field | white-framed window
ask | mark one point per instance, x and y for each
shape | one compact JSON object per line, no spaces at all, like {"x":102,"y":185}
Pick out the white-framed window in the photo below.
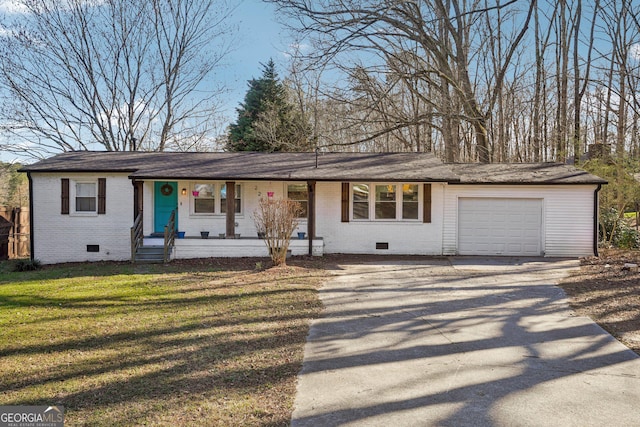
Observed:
{"x":86,"y":197}
{"x":238,"y":198}
{"x":410,"y":201}
{"x":360,"y":200}
{"x":83,"y":197}
{"x":385,"y":201}
{"x":203,"y":195}
{"x":299,"y":192}
{"x":210,"y":198}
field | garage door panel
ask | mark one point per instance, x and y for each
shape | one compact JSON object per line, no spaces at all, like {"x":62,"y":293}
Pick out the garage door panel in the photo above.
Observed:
{"x":514,"y":247}
{"x":531,"y":234}
{"x":497,"y":248}
{"x":531,"y":248}
{"x":500,"y":233}
{"x":498,"y":226}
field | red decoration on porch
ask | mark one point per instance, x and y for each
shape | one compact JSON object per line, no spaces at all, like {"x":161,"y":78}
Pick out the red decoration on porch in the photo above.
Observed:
{"x":195,"y":193}
{"x":269,"y":193}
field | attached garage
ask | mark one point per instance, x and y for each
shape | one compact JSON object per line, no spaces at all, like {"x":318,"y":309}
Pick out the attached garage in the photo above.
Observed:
{"x":499,"y":226}
{"x":527,"y":209}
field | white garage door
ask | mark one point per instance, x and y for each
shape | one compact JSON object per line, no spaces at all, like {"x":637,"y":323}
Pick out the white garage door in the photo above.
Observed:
{"x":493,"y":226}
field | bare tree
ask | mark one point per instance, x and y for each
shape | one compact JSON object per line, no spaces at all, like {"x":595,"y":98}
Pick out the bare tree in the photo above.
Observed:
{"x":277,"y":219}
{"x":113,"y":74}
{"x":438,"y":30}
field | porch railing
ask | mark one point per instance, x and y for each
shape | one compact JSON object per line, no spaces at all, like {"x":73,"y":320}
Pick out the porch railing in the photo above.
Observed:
{"x":169,"y":236}
{"x":136,"y":236}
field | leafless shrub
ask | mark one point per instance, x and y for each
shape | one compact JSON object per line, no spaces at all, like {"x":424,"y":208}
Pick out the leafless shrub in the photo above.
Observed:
{"x":277,"y":218}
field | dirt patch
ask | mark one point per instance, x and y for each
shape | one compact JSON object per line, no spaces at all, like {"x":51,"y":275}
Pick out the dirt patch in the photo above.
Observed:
{"x":607,"y":292}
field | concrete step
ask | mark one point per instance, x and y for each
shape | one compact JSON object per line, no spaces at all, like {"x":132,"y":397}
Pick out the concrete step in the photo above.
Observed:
{"x":151,"y":254}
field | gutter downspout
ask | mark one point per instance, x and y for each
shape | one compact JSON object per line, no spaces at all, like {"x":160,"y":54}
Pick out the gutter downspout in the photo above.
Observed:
{"x":595,"y":219}
{"x":31,"y":238}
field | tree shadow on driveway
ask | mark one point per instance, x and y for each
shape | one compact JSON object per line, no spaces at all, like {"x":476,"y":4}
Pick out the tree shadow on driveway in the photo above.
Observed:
{"x":424,"y":343}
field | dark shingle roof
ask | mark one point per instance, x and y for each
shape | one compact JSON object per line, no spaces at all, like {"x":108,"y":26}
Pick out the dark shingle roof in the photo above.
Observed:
{"x":405,"y":167}
{"x":254,"y":166}
{"x":523,"y":173}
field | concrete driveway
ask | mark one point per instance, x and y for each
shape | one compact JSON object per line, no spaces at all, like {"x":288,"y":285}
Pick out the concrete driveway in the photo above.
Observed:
{"x":461,"y":342}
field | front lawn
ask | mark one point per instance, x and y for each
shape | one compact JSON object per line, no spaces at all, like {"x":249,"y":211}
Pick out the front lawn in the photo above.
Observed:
{"x":183,"y":344}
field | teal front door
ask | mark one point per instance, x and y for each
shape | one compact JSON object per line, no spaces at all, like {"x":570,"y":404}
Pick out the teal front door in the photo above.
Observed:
{"x":165,"y":196}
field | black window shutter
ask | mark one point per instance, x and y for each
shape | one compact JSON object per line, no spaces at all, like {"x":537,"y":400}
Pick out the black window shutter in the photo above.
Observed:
{"x":427,"y":203}
{"x":345,"y":202}
{"x":64,"y":197}
{"x":102,"y":196}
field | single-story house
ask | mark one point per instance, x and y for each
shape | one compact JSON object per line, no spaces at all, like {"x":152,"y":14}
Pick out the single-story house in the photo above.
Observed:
{"x":90,"y":206}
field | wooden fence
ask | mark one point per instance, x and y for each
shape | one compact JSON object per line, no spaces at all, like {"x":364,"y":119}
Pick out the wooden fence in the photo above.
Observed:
{"x":14,"y":240}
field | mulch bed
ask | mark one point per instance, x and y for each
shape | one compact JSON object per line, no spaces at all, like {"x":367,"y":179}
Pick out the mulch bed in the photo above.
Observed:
{"x":607,"y":292}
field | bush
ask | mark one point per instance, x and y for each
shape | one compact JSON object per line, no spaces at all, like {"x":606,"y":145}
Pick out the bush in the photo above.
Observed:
{"x":27,"y":265}
{"x":277,"y":219}
{"x":627,"y":237}
{"x":617,"y":231}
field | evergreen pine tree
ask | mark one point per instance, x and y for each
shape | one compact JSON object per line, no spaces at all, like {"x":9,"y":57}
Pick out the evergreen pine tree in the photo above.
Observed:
{"x":266,"y":119}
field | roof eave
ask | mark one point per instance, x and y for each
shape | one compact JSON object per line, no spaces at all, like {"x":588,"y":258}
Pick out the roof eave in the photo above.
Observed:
{"x":594,"y":182}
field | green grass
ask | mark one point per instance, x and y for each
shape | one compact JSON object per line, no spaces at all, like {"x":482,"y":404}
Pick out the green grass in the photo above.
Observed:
{"x":157,"y":345}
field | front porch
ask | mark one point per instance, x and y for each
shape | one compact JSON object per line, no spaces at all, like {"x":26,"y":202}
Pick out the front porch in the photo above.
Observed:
{"x":197,"y":247}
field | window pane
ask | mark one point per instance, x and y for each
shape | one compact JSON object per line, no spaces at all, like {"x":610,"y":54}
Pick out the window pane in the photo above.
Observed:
{"x":304,"y":209}
{"x":204,"y":190}
{"x":360,"y":201}
{"x":85,"y":190}
{"x":385,"y":201}
{"x":223,"y":198}
{"x":299,"y":193}
{"x":204,"y":198}
{"x":409,"y":210}
{"x":361,"y":192}
{"x":204,"y":205}
{"x":385,"y":210}
{"x":85,"y":197}
{"x":85,"y":204}
{"x":409,"y":201}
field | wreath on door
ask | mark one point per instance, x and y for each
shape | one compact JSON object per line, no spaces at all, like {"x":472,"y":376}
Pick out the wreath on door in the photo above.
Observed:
{"x":166,"y":190}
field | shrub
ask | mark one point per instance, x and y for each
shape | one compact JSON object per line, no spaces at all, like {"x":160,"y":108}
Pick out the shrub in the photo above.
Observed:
{"x":616,"y":231}
{"x":626,"y":237}
{"x":278,"y":219}
{"x":27,"y":265}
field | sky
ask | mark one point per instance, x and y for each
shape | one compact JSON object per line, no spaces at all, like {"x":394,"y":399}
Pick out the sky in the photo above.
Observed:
{"x":259,"y":38}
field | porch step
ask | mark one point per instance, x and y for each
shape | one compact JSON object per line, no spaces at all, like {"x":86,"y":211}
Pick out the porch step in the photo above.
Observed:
{"x":151,"y":254}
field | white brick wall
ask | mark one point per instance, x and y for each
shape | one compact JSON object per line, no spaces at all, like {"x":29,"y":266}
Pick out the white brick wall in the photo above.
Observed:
{"x":64,"y":238}
{"x":229,"y":248}
{"x":408,"y":238}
